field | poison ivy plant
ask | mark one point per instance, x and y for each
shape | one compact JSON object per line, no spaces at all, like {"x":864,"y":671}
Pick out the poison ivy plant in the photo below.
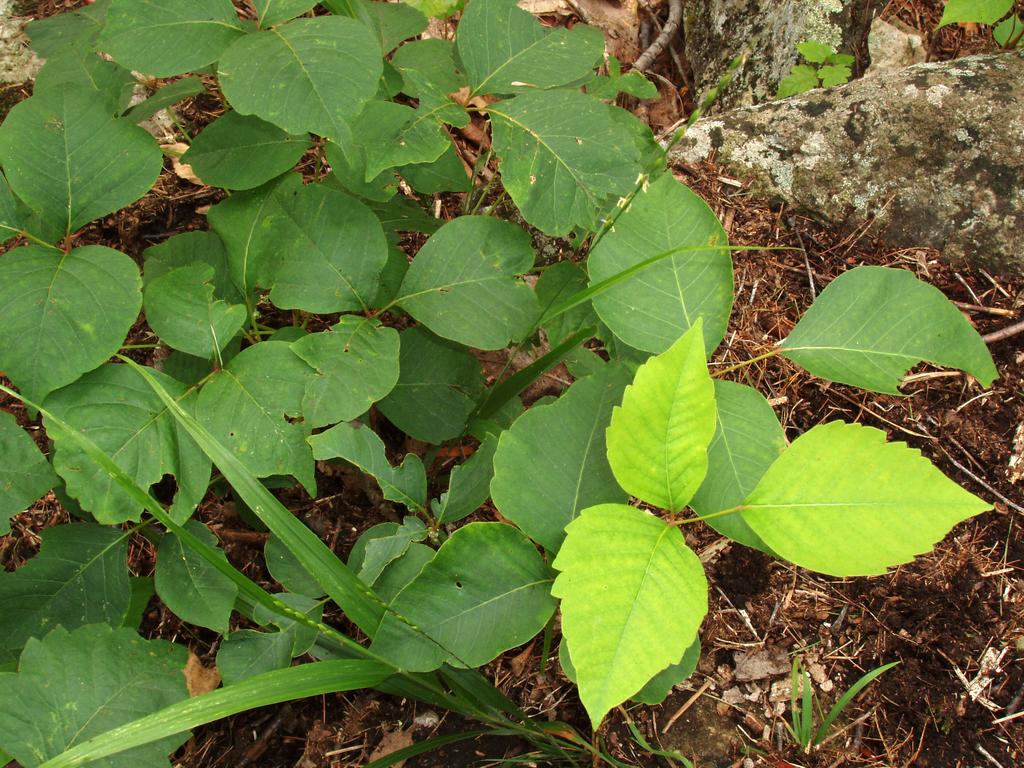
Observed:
{"x":335,"y":321}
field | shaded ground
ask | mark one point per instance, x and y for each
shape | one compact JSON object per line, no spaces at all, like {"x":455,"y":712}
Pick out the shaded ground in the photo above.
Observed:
{"x":953,"y":618}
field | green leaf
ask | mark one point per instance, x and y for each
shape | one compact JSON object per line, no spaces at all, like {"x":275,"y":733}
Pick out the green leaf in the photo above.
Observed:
{"x":272,"y":688}
{"x":181,"y":309}
{"x":249,"y":652}
{"x":360,"y":446}
{"x":247,"y":405}
{"x":400,"y":572}
{"x":356,"y":365}
{"x":64,"y":314}
{"x":348,"y":171}
{"x":80,"y":576}
{"x":653,"y":308}
{"x":801,"y":78}
{"x":115,"y":408}
{"x":400,"y":214}
{"x":396,"y":22}
{"x":289,"y":76}
{"x":68,"y":158}
{"x":288,"y":571}
{"x":834,"y":74}
{"x":980,"y":11}
{"x":446,"y":174}
{"x":189,"y":249}
{"x":385,"y":546}
{"x":436,"y":390}
{"x":83,"y":69}
{"x":303,"y":635}
{"x":658,"y":439}
{"x":561,"y":449}
{"x":462,"y":283}
{"x":436,"y":8}
{"x":193,"y":589}
{"x":872,"y":324}
{"x":143,"y":590}
{"x":13,"y":214}
{"x":165,"y":97}
{"x":842,"y":501}
{"x":748,"y":438}
{"x":468,"y":486}
{"x":25,"y":474}
{"x":164,"y":39}
{"x":633,"y":596}
{"x":1008,"y":31}
{"x":271,"y":12}
{"x":557,"y":283}
{"x":562,"y":156}
{"x":632,"y":83}
{"x":485,"y":591}
{"x":504,"y":49}
{"x":394,"y":134}
{"x":331,"y":250}
{"x":75,"y":29}
{"x":242,"y":152}
{"x":247,"y":224}
{"x":815,"y":52}
{"x":72,"y":686}
{"x":428,"y":61}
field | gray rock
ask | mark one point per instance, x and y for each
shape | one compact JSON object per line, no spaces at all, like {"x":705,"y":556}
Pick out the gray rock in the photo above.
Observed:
{"x":716,"y":30}
{"x":930,"y":154}
{"x":18,"y":64}
{"x":894,"y":45}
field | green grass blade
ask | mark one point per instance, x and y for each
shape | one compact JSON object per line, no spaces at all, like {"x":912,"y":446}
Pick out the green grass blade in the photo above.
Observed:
{"x":846,"y":698}
{"x":419,"y":748}
{"x":343,"y":586}
{"x":269,"y":688}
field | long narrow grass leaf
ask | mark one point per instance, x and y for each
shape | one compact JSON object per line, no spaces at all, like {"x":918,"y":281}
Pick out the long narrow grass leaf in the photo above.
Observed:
{"x":426,"y":745}
{"x":270,"y":688}
{"x":846,"y":698}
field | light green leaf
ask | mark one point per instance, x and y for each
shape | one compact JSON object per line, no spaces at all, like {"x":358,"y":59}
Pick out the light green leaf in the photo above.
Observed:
{"x":181,"y":309}
{"x":331,"y":250}
{"x":653,"y":308}
{"x":980,"y":11}
{"x":360,"y":446}
{"x":561,"y":449}
{"x":815,"y":52}
{"x":872,"y":324}
{"x":436,"y":8}
{"x":188,"y":249}
{"x":247,"y":224}
{"x":191,"y":587}
{"x":241,"y":152}
{"x":468,"y":486}
{"x":633,"y":596}
{"x":164,"y":39}
{"x":80,"y":576}
{"x":437,"y":385}
{"x":834,"y":74}
{"x":290,"y":76}
{"x":396,"y":22}
{"x":25,"y":474}
{"x":115,"y":408}
{"x":271,"y":12}
{"x":1009,"y":30}
{"x":801,"y":78}
{"x":462,"y":283}
{"x":748,"y":438}
{"x":247,"y":405}
{"x":658,"y":439}
{"x":249,"y":652}
{"x":505,"y":49}
{"x":842,"y":501}
{"x":287,"y":570}
{"x":72,"y":686}
{"x":562,"y":157}
{"x":485,"y":591}
{"x":356,"y":365}
{"x":64,"y":314}
{"x":68,"y":158}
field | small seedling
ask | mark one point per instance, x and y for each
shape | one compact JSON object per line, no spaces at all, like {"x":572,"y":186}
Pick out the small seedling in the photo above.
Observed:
{"x":824,"y":69}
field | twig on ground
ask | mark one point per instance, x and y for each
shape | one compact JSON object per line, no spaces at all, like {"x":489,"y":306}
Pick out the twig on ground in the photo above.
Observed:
{"x":1004,"y":333}
{"x":675,"y":16}
{"x":987,"y":486}
{"x":987,"y":755}
{"x":987,"y":310}
{"x":686,"y":705}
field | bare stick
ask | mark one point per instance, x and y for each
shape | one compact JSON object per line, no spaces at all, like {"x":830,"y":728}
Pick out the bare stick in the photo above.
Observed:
{"x":675,"y":16}
{"x":1004,"y":333}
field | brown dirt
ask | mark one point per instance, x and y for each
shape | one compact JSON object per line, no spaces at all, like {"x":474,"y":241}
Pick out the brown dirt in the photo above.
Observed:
{"x":945,"y":617}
